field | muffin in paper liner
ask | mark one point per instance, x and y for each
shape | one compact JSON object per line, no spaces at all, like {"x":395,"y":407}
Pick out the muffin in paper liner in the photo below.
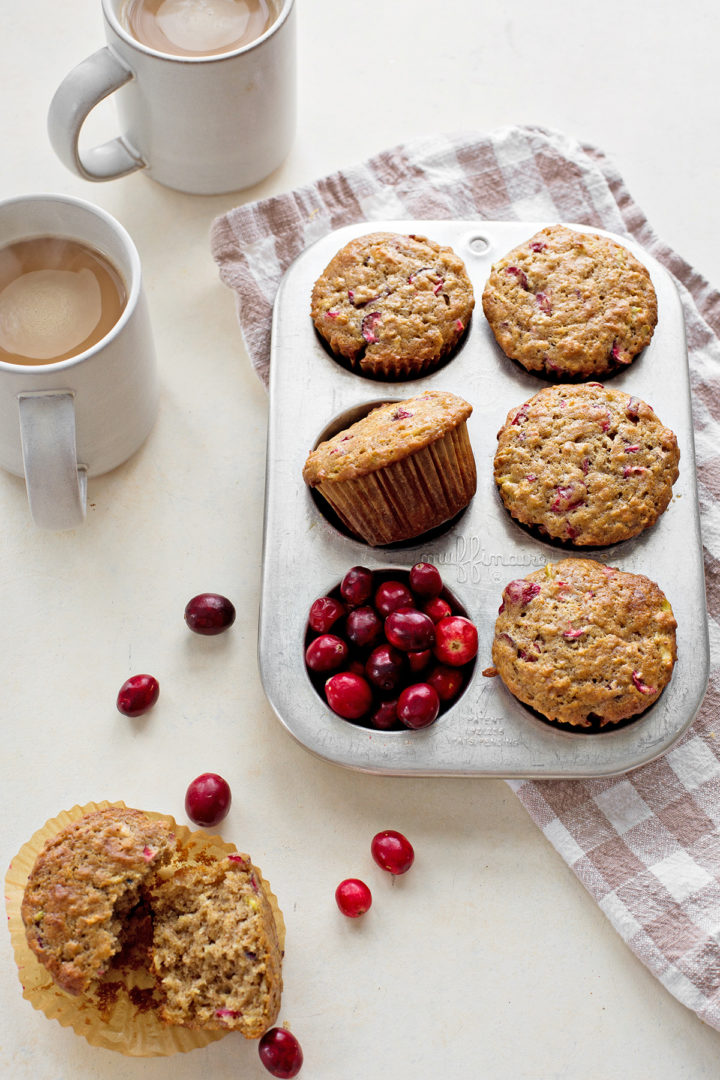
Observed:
{"x":124,"y":1016}
{"x":405,"y":468}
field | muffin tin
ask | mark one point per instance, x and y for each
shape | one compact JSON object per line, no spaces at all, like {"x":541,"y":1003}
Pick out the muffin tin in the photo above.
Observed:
{"x":487,"y":732}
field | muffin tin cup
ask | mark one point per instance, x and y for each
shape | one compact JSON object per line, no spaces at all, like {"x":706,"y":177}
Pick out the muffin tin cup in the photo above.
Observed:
{"x":488,"y":732}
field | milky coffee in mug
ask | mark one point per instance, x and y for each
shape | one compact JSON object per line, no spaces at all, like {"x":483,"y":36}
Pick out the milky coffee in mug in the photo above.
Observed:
{"x":197,"y":27}
{"x":58,"y":297}
{"x":205,"y":93}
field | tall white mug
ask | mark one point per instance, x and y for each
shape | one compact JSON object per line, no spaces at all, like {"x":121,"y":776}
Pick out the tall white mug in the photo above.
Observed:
{"x":199,"y":124}
{"x":83,"y":416}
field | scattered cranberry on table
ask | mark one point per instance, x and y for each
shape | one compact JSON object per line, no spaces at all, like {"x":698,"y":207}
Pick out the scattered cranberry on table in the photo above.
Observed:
{"x":392,"y":851}
{"x":207,"y":799}
{"x":353,"y":897}
{"x":395,"y":644}
{"x":137,"y":695}
{"x":209,"y":614}
{"x":280,"y":1053}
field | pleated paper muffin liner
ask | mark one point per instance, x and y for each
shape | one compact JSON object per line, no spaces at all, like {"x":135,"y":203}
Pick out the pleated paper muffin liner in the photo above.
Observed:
{"x":408,"y":497}
{"x":123,"y":1016}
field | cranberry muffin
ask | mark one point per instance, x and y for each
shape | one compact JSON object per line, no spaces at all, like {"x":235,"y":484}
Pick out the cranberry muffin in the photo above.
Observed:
{"x":583,"y":643}
{"x":392,"y":306}
{"x":403,"y":469}
{"x":570,"y":304}
{"x":586,"y":464}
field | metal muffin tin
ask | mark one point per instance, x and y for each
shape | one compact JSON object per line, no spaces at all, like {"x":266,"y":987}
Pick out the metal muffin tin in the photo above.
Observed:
{"x":487,"y":732}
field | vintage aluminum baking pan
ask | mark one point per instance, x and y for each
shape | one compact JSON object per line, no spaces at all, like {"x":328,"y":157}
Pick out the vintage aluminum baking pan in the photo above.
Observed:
{"x":487,"y":732}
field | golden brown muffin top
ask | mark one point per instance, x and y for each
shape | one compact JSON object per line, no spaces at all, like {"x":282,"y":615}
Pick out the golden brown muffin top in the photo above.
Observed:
{"x":389,"y":433}
{"x":580,"y":642}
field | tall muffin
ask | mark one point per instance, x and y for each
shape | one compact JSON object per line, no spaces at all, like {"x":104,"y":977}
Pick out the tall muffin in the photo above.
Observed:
{"x":393,"y":306}
{"x":570,"y":304}
{"x":583,"y":643}
{"x":586,"y":464}
{"x":405,"y":468}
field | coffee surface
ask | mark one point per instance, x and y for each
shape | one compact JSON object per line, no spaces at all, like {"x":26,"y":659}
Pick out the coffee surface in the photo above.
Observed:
{"x":197,"y":27}
{"x":58,"y":297}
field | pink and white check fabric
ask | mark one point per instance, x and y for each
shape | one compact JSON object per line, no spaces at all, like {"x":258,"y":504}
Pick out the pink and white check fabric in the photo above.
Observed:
{"x":645,"y":845}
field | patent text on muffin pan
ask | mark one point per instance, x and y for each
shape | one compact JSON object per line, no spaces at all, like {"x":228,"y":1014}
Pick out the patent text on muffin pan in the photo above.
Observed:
{"x":307,"y":550}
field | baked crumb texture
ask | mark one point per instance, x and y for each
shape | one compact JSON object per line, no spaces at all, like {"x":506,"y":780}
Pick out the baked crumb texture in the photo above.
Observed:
{"x":393,"y":305}
{"x":566,"y":303}
{"x":586,"y":464}
{"x":585,"y":644}
{"x":405,"y":468}
{"x":216,"y":952}
{"x":113,"y":888}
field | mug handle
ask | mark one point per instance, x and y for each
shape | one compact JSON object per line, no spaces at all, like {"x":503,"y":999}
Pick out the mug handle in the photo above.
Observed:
{"x":80,"y":91}
{"x":56,"y":484}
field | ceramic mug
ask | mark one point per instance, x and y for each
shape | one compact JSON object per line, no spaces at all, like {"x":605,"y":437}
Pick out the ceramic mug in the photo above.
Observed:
{"x":63,"y":421}
{"x":199,"y":124}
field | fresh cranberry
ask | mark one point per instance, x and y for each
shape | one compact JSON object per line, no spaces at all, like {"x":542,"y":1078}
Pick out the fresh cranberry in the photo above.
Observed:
{"x":326,"y":653}
{"x":356,"y":667}
{"x":353,"y":897}
{"x":437,"y":609}
{"x":392,"y":851}
{"x":348,"y":695}
{"x":410,"y":630}
{"x":385,"y":667}
{"x":418,"y":661}
{"x":137,"y":695}
{"x":425,"y":580}
{"x":325,"y":611}
{"x":207,"y":799}
{"x":280,"y":1053}
{"x":356,"y":586}
{"x":385,"y":716}
{"x":456,"y":640}
{"x":209,"y":614}
{"x":418,"y":705}
{"x":363,"y":626}
{"x":392,"y":595}
{"x":446,"y":680}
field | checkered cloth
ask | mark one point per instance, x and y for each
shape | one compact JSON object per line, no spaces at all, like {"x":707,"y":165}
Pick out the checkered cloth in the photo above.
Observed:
{"x":647,"y":845}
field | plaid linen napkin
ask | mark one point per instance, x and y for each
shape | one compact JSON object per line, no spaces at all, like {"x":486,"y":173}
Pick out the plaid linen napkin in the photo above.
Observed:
{"x":645,"y":845}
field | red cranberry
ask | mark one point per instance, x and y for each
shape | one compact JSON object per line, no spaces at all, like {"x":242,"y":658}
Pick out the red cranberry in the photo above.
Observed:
{"x":353,"y":897}
{"x":137,"y":695}
{"x":446,"y":680}
{"x":363,"y":626}
{"x":456,"y":640}
{"x":418,"y":705}
{"x":326,"y":653}
{"x":280,"y":1053}
{"x":385,"y":667}
{"x":356,"y":586}
{"x":410,"y":630}
{"x":356,"y":667}
{"x":385,"y":716}
{"x":392,"y":595}
{"x":209,"y":614}
{"x":348,"y":695}
{"x":418,"y":661}
{"x":520,"y":591}
{"x":437,"y":609}
{"x":207,"y":799}
{"x":325,"y":611}
{"x":425,"y":579}
{"x":392,"y":851}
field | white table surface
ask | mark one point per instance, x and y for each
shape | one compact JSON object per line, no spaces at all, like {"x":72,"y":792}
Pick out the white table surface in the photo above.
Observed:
{"x":489,"y":959}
